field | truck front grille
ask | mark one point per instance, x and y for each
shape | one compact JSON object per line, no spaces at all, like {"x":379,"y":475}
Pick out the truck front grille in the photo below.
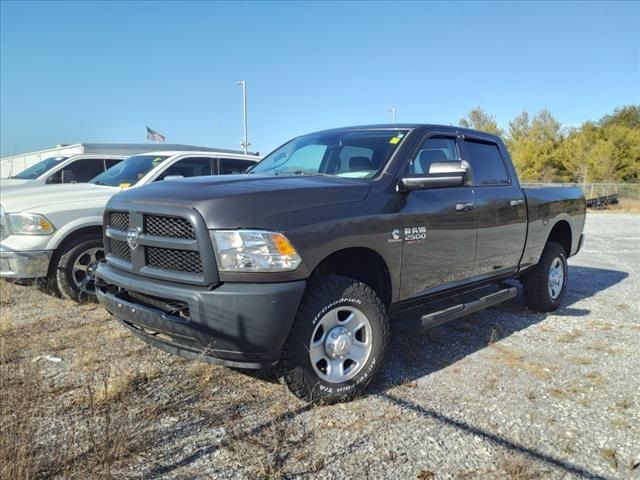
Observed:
{"x":164,"y":244}
{"x":4,"y":227}
{"x":119,"y":220}
{"x":174,"y":227}
{"x":121,"y":250}
{"x":175,"y":260}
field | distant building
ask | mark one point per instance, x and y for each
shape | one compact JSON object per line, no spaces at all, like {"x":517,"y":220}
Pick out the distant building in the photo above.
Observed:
{"x":15,"y":164}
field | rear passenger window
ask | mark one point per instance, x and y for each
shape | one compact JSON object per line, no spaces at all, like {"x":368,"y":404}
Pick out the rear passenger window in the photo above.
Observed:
{"x":433,"y":150}
{"x":233,"y":166}
{"x":486,"y":163}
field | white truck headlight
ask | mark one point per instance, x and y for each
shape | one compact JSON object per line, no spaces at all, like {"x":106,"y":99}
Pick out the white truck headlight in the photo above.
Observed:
{"x":29,"y":224}
{"x":254,"y":251}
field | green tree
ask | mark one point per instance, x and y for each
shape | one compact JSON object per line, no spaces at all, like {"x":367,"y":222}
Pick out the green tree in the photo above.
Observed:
{"x":534,"y":145}
{"x":628,"y":116}
{"x":606,"y":151}
{"x":478,"y":119}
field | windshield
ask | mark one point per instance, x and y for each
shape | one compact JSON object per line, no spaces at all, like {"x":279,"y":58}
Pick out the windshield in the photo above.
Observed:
{"x":348,"y":153}
{"x":34,"y":171}
{"x":129,"y":171}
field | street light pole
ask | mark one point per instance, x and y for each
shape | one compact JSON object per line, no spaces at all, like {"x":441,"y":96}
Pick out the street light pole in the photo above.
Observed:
{"x":393,"y":112}
{"x":245,"y":139}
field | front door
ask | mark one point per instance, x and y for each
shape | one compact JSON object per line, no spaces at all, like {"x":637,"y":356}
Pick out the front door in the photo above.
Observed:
{"x":439,"y":226}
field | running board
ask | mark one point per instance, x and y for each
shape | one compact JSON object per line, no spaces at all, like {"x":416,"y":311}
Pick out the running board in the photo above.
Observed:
{"x":434,"y":319}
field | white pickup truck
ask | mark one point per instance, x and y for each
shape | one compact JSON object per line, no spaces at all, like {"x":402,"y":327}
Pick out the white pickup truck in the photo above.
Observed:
{"x":55,"y":170}
{"x":55,"y":232}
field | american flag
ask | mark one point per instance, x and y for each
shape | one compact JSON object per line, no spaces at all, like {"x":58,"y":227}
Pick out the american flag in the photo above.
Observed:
{"x":155,"y":136}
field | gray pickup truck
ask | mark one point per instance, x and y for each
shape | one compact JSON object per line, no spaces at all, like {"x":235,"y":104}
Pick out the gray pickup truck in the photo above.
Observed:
{"x":305,"y":262}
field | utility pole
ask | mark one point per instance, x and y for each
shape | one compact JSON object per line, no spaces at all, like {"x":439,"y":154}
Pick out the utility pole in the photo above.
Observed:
{"x":245,"y":140}
{"x":393,"y":112}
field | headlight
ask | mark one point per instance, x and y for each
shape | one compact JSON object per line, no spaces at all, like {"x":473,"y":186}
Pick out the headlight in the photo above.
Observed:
{"x":254,"y":251}
{"x":29,"y":224}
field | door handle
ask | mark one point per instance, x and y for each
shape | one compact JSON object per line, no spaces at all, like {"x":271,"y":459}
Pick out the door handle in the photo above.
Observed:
{"x":464,"y":207}
{"x":516,"y":203}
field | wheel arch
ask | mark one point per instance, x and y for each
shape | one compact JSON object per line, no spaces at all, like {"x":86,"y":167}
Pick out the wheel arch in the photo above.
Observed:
{"x":363,"y":264}
{"x":68,"y":239}
{"x":561,"y":233}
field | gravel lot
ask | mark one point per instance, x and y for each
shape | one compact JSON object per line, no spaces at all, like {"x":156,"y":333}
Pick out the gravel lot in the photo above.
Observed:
{"x":503,"y":393}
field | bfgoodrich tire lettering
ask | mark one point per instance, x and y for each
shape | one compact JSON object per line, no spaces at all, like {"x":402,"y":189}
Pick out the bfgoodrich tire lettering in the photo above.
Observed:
{"x":326,"y":295}
{"x":545,"y":285}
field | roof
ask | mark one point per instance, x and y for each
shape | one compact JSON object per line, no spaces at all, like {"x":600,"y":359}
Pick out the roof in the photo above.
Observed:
{"x":171,"y":153}
{"x":124,"y":149}
{"x":410,"y":126}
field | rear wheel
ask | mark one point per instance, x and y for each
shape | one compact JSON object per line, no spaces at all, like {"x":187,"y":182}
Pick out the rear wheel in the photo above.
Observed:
{"x":545,"y":285}
{"x":76,"y":266}
{"x":337,"y":341}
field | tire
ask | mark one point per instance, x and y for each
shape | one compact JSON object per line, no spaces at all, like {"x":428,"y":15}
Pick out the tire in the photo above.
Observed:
{"x":337,"y":341}
{"x":84,"y":251}
{"x":545,"y":285}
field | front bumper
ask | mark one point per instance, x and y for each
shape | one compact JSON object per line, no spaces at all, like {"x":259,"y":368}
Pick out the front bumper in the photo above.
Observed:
{"x":24,"y":265}
{"x":234,"y":324}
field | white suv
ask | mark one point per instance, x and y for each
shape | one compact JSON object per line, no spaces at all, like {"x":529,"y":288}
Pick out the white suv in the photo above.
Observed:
{"x":55,"y":232}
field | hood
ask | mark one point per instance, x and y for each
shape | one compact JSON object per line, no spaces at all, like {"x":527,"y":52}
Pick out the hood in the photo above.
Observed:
{"x":41,"y":197}
{"x":6,"y":183}
{"x":232,"y":201}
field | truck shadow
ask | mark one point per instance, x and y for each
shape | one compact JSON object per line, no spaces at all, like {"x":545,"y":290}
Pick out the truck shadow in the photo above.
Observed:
{"x":414,"y":356}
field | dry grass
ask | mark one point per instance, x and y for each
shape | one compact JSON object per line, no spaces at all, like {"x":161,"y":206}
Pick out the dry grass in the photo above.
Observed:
{"x":514,"y":360}
{"x":611,"y":456}
{"x":571,"y":336}
{"x":86,"y":425}
{"x":630,"y":205}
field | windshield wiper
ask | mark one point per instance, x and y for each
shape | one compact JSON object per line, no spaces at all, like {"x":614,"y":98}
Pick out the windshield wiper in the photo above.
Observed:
{"x":314,"y":174}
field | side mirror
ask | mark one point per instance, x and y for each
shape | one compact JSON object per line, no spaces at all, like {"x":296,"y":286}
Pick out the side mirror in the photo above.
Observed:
{"x":441,"y":174}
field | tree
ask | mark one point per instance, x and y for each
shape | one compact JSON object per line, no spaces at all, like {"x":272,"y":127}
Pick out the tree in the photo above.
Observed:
{"x":534,"y":145}
{"x":628,"y":116}
{"x":479,"y":120}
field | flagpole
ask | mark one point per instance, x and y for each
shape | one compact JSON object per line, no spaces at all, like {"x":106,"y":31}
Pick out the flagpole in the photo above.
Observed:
{"x":245,"y":140}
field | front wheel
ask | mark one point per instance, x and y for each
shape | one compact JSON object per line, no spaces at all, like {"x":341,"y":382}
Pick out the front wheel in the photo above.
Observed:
{"x":545,"y":285}
{"x":337,"y":342}
{"x":76,"y":265}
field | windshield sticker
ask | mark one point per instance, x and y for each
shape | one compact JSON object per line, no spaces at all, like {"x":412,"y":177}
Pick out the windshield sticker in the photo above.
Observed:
{"x":156,"y":161}
{"x":124,"y":185}
{"x":394,"y":140}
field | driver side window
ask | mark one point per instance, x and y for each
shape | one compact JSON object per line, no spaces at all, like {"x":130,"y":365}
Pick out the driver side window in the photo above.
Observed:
{"x":188,"y":167}
{"x":433,"y":149}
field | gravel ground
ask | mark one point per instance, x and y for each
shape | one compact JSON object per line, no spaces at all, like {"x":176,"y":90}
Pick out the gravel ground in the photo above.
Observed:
{"x":505,"y":393}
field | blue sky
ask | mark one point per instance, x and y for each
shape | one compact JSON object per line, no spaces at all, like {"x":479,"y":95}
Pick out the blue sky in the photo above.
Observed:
{"x":99,"y":72}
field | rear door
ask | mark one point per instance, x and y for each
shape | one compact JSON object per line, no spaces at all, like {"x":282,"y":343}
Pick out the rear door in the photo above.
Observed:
{"x":501,"y":217}
{"x":439,"y":226}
